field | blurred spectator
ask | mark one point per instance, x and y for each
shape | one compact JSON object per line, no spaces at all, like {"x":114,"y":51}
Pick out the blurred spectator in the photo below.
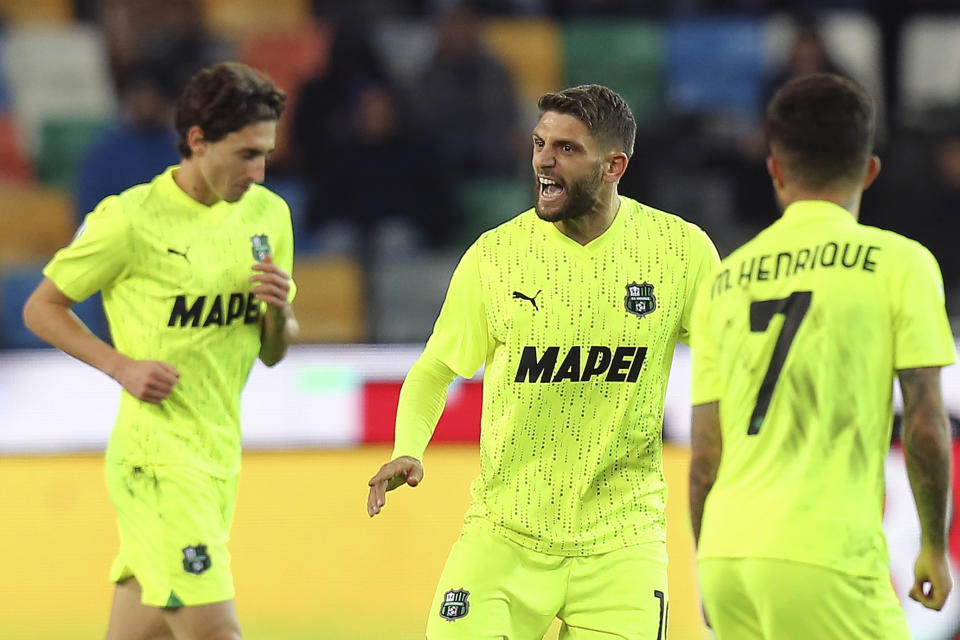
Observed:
{"x":139,"y":146}
{"x":325,"y":109}
{"x":374,"y":182}
{"x":494,"y":6}
{"x":918,"y":195}
{"x":466,"y":98}
{"x":753,"y":195}
{"x":807,"y":54}
{"x":140,"y":32}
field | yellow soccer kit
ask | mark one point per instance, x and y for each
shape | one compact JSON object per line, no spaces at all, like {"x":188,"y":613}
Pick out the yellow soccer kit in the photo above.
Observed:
{"x":174,"y":277}
{"x":577,"y":342}
{"x":797,"y":336}
{"x":493,"y":588}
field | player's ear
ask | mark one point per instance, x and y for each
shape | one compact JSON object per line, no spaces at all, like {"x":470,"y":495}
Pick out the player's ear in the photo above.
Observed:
{"x":873,"y":170}
{"x":775,"y":171}
{"x":615,"y":166}
{"x":196,"y":141}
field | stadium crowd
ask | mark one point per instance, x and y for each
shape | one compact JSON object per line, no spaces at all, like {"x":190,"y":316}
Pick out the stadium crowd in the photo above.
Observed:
{"x":407,"y":131}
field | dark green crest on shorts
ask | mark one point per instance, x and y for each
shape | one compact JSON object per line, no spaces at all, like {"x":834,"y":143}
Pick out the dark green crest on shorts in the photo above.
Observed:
{"x":455,"y":604}
{"x":195,"y":559}
{"x":640,"y":300}
{"x":260,"y":247}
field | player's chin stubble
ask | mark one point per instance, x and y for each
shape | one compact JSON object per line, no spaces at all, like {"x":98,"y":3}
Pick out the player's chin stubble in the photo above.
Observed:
{"x":582,"y":196}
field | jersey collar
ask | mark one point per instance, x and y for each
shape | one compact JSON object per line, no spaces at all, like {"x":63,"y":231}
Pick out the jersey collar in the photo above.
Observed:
{"x":172,"y":190}
{"x":598,"y":244}
{"x":803,"y":211}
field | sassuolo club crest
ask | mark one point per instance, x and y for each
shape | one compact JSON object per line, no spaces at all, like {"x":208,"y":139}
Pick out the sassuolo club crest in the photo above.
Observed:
{"x":640,"y":299}
{"x":455,"y":604}
{"x":260,"y":247}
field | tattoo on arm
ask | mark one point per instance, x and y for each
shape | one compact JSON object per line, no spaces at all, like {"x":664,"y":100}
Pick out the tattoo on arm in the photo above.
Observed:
{"x":706,"y":448}
{"x":927,"y":449}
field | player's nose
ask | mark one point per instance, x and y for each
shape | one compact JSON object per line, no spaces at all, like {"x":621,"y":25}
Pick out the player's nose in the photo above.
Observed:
{"x":543,"y":159}
{"x":257,"y":169}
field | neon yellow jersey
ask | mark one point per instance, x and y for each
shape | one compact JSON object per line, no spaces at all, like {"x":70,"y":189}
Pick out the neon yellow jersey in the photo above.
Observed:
{"x":798,"y":336}
{"x":577,"y":342}
{"x":174,"y":276}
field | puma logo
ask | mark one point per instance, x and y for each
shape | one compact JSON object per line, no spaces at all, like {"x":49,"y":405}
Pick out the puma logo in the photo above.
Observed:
{"x":182,"y":254}
{"x":519,"y":296}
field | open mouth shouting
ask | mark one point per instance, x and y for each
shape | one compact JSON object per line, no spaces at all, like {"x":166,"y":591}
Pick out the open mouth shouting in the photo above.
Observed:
{"x":551,"y":189}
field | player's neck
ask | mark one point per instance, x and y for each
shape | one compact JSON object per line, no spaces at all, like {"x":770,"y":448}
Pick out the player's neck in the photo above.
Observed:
{"x":592,"y":224}
{"x":841,"y":197}
{"x":190,"y":179}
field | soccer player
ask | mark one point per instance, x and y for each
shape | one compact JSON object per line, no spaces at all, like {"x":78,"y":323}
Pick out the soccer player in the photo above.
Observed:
{"x":796,"y":338}
{"x":574,"y":308}
{"x":194,"y":270}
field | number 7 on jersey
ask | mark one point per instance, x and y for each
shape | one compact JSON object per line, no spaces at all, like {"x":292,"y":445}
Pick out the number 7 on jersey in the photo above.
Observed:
{"x":794,"y":307}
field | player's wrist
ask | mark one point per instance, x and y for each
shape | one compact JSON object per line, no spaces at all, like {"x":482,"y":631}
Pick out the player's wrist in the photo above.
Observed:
{"x":116,"y":364}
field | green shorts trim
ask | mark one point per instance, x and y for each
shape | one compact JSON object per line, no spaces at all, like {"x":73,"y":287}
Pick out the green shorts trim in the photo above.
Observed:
{"x":174,"y":524}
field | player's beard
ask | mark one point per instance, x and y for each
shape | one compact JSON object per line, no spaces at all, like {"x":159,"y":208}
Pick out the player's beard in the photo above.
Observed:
{"x":582,"y":195}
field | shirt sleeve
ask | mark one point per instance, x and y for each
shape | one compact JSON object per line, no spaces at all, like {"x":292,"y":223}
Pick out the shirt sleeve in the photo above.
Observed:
{"x":98,"y":254}
{"x":461,"y":336}
{"x":704,"y":259}
{"x":705,"y":383}
{"x":922,"y":335}
{"x":284,"y":248}
{"x":422,"y":397}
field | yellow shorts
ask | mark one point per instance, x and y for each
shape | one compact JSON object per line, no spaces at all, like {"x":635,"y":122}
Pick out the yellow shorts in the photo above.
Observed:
{"x":174,"y":524}
{"x":492,"y":588}
{"x":767,"y":599}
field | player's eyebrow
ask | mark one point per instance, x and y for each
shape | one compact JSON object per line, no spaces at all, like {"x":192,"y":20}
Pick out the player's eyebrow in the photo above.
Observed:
{"x":560,"y":142}
{"x":256,"y":151}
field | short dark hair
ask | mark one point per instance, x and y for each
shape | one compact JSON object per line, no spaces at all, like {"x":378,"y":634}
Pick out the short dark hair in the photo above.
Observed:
{"x":824,"y":124}
{"x":225,"y":98}
{"x":607,"y":115}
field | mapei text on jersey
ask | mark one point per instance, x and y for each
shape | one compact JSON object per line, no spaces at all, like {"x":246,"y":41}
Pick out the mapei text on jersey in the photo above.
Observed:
{"x":238,"y":306}
{"x":622,"y":364}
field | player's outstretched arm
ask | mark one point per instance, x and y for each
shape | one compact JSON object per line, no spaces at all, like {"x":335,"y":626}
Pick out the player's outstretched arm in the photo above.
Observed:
{"x":926,"y":447}
{"x":706,"y":446}
{"x":422,"y":397}
{"x":402,"y":470}
{"x":271,"y":284}
{"x":48,"y":314}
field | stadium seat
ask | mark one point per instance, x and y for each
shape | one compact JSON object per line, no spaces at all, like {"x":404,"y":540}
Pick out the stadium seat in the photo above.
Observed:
{"x":715,"y":64}
{"x":36,"y":221}
{"x":64,"y":142}
{"x":531,"y":50}
{"x":49,"y":11}
{"x":56,"y":71}
{"x":930,"y":59}
{"x":16,"y":285}
{"x":626,"y":55}
{"x":234,"y":18}
{"x":487,"y":202}
{"x":330,"y":300}
{"x":406,"y":295}
{"x":15,"y":166}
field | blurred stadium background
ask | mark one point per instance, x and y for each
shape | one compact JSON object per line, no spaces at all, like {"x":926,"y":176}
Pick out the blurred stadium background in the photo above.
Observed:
{"x":406,"y":136}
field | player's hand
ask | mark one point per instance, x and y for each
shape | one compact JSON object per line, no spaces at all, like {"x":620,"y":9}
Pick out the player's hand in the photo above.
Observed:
{"x":402,"y":470}
{"x":147,"y":380}
{"x":932,"y":582}
{"x":271,"y":285}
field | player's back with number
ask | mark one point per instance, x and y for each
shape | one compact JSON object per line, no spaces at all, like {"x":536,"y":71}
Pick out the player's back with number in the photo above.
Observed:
{"x":808,"y":319}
